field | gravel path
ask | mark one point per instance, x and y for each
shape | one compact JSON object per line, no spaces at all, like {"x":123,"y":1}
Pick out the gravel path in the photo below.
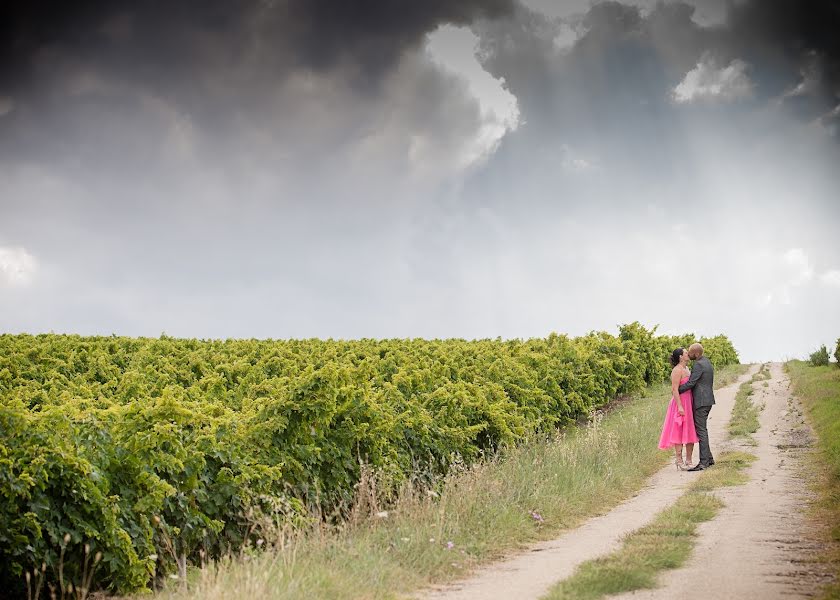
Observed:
{"x":529,"y":574}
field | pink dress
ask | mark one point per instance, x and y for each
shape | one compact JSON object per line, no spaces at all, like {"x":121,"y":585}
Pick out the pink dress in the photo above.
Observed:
{"x":679,"y":429}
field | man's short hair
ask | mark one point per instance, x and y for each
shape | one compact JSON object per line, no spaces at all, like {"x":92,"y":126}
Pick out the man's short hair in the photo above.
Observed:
{"x":695,"y":350}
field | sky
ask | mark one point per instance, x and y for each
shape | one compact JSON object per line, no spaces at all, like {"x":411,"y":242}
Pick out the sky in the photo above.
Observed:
{"x":447,"y":168}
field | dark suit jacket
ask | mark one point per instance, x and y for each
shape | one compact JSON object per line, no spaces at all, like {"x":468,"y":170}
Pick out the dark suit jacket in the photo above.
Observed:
{"x":702,"y":381}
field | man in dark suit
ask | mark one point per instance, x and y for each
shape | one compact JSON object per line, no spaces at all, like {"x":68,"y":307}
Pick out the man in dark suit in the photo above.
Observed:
{"x":702,"y":382}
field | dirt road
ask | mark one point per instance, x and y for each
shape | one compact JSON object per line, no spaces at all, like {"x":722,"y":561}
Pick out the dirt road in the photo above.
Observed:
{"x":757,"y":546}
{"x":530,"y":574}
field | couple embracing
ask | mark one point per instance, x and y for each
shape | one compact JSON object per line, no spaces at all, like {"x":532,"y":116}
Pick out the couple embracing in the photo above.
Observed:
{"x":692,"y":399}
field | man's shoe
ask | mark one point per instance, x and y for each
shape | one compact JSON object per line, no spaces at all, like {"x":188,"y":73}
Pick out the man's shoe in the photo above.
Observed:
{"x":698,"y":467}
{"x":711,"y":462}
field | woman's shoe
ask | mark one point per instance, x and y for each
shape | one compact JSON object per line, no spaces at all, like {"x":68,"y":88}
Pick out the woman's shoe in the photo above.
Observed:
{"x":679,"y":464}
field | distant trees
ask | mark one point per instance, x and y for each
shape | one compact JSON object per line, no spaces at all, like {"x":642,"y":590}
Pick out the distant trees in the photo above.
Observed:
{"x":819,"y":358}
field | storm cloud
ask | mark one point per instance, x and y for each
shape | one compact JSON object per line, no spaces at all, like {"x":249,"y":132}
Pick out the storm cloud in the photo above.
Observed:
{"x":313,"y":168}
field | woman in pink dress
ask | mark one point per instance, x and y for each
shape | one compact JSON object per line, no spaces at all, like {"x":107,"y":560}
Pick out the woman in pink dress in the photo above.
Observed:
{"x":678,"y":429}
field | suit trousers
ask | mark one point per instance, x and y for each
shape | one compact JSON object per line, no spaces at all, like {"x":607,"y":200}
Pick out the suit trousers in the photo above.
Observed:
{"x":701,"y":415}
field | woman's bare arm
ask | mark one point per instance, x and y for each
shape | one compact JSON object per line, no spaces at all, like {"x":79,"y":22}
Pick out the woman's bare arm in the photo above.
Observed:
{"x":676,"y":375}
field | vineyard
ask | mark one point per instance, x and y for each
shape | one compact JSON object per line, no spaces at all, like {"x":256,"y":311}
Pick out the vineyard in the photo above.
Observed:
{"x":155,"y":452}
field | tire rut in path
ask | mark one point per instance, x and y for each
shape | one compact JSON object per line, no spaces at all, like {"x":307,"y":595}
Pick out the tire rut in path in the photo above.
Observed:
{"x":529,"y":574}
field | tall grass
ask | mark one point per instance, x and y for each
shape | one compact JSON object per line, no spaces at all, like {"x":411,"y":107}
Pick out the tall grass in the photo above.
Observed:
{"x":819,"y":390}
{"x":525,"y":494}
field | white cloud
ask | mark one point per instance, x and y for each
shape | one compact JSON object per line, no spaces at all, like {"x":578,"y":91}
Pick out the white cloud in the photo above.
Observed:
{"x":566,"y":37}
{"x":799,"y":266}
{"x":809,"y":83}
{"x":572,"y":161}
{"x":793,"y":270}
{"x":577,"y":164}
{"x":831,"y":278}
{"x":707,"y":82}
{"x":17,"y":266}
{"x":764,"y":301}
{"x":830,"y":119}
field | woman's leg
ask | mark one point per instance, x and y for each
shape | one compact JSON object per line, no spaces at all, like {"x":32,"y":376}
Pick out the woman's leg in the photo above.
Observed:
{"x":678,"y":455}
{"x":689,"y":449}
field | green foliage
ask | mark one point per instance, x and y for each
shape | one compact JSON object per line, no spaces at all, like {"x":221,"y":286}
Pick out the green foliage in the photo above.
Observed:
{"x":720,"y":351}
{"x":158,"y":450}
{"x":819,"y":358}
{"x":837,"y":353}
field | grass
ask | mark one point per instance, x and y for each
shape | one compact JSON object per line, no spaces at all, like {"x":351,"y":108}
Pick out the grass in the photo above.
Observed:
{"x":819,"y":390}
{"x":527,"y":494}
{"x":729,"y":375}
{"x":763,"y":373}
{"x":744,"y":420}
{"x":665,"y":543}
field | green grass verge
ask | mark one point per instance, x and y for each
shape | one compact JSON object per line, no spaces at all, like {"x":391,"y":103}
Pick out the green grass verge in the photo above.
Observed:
{"x":744,"y":420}
{"x":763,"y":373}
{"x":527,"y":494}
{"x":665,"y":543}
{"x":728,"y":375}
{"x":819,"y":390}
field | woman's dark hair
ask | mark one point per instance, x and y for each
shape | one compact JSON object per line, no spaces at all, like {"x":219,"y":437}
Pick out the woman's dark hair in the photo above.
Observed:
{"x":675,"y":356}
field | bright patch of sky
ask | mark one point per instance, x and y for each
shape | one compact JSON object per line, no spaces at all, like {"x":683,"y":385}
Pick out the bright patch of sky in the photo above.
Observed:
{"x":17,"y":267}
{"x":706,"y":81}
{"x":454,"y":48}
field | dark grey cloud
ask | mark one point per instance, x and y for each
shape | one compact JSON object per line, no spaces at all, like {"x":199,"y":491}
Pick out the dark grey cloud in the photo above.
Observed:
{"x":788,"y":44}
{"x":157,"y":39}
{"x":119,"y":73}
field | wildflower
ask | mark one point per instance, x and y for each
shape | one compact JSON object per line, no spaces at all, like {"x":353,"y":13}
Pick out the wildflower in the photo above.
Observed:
{"x":450,"y":545}
{"x":537,"y":517}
